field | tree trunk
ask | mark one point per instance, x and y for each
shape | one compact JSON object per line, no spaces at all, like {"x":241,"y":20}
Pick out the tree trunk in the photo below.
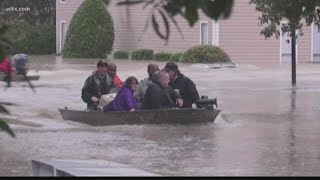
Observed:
{"x":293,"y":58}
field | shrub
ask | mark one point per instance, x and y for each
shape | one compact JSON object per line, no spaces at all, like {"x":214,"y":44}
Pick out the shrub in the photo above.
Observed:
{"x":142,"y":54}
{"x":162,"y":56}
{"x":31,"y":39}
{"x":91,"y":32}
{"x":121,"y":55}
{"x":205,"y":54}
{"x":176,"y":57}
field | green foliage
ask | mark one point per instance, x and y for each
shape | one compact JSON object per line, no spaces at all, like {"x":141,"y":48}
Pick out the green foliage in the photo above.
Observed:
{"x":31,"y":39}
{"x":205,"y":54}
{"x":36,"y":12}
{"x":142,"y":54}
{"x":91,"y":32}
{"x":121,"y":55}
{"x":273,"y":12}
{"x":176,"y":57}
{"x":3,"y":125}
{"x":162,"y":56}
{"x":5,"y":44}
{"x":188,"y":9}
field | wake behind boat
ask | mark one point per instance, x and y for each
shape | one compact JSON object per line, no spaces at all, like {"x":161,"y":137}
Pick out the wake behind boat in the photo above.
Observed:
{"x":158,"y":116}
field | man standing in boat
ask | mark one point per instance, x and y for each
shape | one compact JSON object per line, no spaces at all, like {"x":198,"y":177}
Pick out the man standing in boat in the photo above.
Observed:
{"x":151,"y":70}
{"x":182,"y":84}
{"x":158,"y":94}
{"x":96,"y":85}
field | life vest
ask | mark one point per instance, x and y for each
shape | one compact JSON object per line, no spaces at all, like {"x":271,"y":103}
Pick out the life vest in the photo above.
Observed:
{"x":98,"y":82}
{"x":117,"y":81}
{"x":5,"y":66}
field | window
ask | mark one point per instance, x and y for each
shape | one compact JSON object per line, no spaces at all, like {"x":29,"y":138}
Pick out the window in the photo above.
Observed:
{"x":204,"y":39}
{"x":62,"y":34}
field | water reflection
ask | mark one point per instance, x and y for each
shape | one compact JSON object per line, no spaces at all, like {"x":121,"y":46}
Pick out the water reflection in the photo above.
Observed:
{"x":292,"y":134}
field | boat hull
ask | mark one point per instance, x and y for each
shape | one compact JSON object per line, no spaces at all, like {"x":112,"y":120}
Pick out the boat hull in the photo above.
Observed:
{"x":20,"y":78}
{"x":164,"y":116}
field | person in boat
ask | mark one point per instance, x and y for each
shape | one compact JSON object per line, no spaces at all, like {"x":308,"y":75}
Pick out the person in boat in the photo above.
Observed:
{"x":112,"y":71}
{"x":19,"y":62}
{"x":151,"y":70}
{"x":182,"y":84}
{"x":96,"y":85}
{"x":125,"y":99}
{"x":6,"y":67}
{"x":159,"y":95}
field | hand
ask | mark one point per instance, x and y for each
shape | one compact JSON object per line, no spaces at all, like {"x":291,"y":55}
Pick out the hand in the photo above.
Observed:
{"x":95,"y":99}
{"x":131,"y":110}
{"x":179,"y":102}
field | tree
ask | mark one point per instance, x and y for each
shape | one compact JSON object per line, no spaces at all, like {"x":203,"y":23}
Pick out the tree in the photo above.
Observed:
{"x":188,"y":9}
{"x":4,"y":46}
{"x":297,"y":12}
{"x":91,"y":32}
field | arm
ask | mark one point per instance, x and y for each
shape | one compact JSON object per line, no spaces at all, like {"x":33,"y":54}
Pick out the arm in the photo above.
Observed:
{"x":130,"y":100}
{"x":86,"y":90}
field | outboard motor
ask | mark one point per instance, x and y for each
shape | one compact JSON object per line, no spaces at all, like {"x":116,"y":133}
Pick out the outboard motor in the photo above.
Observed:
{"x":206,"y":103}
{"x":19,"y":62}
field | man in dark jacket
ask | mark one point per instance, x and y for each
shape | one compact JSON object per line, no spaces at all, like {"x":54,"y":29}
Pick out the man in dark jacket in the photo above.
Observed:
{"x":158,"y":95}
{"x":99,"y":83}
{"x":185,"y":86}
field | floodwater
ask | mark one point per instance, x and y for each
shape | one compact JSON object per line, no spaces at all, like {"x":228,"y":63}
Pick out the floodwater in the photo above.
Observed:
{"x":266,"y":127}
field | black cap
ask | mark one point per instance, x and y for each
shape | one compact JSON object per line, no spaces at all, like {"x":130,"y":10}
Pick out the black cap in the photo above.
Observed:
{"x":102,"y":62}
{"x":171,"y":66}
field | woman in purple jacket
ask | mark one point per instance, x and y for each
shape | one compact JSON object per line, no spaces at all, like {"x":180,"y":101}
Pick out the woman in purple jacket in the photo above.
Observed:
{"x":125,"y":100}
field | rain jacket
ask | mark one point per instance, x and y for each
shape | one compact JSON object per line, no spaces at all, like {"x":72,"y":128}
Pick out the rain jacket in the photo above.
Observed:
{"x":124,"y":101}
{"x":188,"y":90}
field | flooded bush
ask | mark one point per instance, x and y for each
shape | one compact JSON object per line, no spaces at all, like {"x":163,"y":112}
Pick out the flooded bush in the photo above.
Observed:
{"x":205,"y":54}
{"x":162,"y":56}
{"x":142,"y":54}
{"x":91,"y":32}
{"x":121,"y":55}
{"x":176,"y":57}
{"x":30,"y":39}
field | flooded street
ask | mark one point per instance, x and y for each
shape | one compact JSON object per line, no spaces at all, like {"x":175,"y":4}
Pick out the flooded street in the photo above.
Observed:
{"x":266,"y":127}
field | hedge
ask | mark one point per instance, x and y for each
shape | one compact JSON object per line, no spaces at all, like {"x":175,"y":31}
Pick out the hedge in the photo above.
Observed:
{"x":142,"y":54}
{"x":162,"y":56}
{"x":91,"y":32}
{"x":205,"y":54}
{"x":121,"y":55}
{"x":176,"y":57}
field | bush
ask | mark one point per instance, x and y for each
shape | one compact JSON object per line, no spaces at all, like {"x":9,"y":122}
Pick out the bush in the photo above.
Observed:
{"x":31,"y":39}
{"x":162,"y":56}
{"x":142,"y":54}
{"x":121,"y":55}
{"x":205,"y":54}
{"x":176,"y":57}
{"x":91,"y":32}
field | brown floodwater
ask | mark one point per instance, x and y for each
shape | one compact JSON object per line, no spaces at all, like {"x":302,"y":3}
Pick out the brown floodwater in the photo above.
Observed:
{"x":266,"y":127}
